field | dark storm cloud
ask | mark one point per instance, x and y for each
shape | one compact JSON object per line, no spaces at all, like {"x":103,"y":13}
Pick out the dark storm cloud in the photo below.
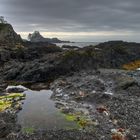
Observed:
{"x":72,"y":15}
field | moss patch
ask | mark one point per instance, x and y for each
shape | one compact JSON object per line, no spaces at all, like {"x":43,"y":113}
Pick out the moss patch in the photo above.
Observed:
{"x":81,"y":121}
{"x":4,"y":105}
{"x":70,"y":117}
{"x":12,"y":96}
{"x":7,"y":100}
{"x":28,"y":130}
{"x":15,"y":95}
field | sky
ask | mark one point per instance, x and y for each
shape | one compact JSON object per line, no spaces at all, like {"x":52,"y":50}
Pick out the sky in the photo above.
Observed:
{"x":75,"y":20}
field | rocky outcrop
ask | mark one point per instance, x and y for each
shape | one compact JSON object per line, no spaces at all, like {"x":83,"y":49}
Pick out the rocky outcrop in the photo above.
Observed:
{"x":114,"y":54}
{"x":37,"y":37}
{"x":39,"y":62}
{"x":52,"y":61}
{"x":67,"y":47}
{"x":8,"y":35}
{"x":43,"y":61}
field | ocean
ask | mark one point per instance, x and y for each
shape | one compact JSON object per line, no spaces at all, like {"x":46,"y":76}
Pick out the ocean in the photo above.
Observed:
{"x":78,"y":44}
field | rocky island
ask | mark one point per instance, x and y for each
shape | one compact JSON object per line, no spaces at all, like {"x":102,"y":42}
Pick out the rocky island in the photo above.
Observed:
{"x":37,"y":37}
{"x":96,"y":87}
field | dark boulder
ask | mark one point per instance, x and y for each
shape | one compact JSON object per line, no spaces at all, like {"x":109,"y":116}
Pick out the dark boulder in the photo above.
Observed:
{"x":69,"y":47}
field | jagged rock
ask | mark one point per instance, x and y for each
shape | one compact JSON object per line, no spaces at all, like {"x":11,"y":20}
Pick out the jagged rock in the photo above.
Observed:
{"x":15,"y":89}
{"x":8,"y":35}
{"x":37,"y":37}
{"x":42,"y":62}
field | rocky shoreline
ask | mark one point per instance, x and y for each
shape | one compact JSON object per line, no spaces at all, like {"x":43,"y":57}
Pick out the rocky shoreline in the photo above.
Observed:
{"x":93,"y":86}
{"x":105,"y":103}
{"x":109,"y":109}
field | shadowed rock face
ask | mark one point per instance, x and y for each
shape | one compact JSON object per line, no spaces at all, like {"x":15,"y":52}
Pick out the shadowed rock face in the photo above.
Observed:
{"x":8,"y":35}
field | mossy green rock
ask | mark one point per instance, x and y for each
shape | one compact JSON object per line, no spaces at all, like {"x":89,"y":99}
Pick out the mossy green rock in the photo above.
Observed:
{"x":71,"y":117}
{"x":8,"y":100}
{"x":28,"y":130}
{"x":81,"y":121}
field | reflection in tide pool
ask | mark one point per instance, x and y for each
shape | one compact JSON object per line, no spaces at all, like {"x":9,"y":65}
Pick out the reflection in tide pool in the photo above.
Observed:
{"x":39,"y":112}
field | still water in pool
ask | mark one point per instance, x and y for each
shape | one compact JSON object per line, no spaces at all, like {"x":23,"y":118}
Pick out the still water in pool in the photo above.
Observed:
{"x":39,"y":112}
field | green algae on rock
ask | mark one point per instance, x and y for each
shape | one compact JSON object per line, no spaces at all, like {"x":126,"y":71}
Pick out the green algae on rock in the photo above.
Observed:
{"x":4,"y":105}
{"x":28,"y":130}
{"x":16,"y":95}
{"x":81,"y":120}
{"x":71,"y":117}
{"x":8,"y":100}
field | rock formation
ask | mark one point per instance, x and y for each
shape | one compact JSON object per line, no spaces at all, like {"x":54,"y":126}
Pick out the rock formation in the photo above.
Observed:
{"x":37,"y":37}
{"x":8,"y":35}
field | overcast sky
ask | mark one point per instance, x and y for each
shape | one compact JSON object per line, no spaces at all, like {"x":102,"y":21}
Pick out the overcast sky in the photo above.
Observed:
{"x":75,"y":20}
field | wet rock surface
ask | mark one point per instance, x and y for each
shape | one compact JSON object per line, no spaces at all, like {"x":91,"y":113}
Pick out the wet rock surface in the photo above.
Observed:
{"x":8,"y":124}
{"x":104,"y":100}
{"x":9,"y":106}
{"x":95,"y":100}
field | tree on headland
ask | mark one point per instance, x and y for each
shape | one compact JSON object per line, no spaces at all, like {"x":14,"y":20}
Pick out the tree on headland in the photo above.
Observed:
{"x":2,"y":20}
